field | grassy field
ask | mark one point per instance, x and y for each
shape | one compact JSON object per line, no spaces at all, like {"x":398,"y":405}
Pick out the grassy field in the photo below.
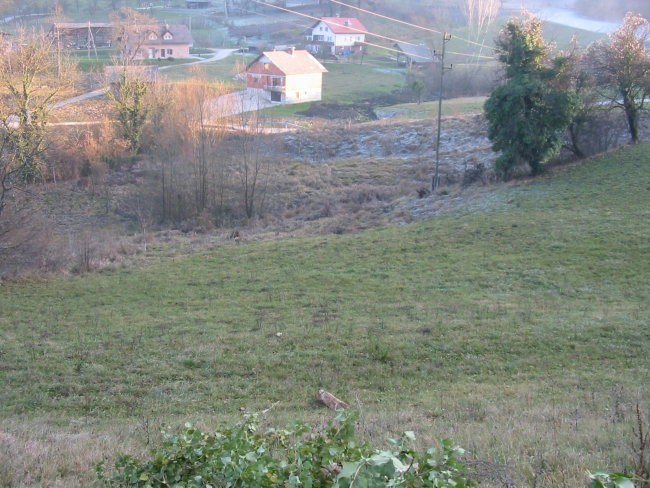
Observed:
{"x":518,"y":327}
{"x":89,"y":62}
{"x":350,"y":82}
{"x":222,"y":70}
{"x":424,"y":110}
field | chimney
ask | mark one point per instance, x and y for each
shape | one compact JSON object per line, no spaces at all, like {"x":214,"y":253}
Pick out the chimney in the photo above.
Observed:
{"x":291,"y":50}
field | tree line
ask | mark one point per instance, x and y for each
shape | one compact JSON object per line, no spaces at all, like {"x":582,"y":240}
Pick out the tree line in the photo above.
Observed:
{"x":545,"y":99}
{"x":200,"y":172}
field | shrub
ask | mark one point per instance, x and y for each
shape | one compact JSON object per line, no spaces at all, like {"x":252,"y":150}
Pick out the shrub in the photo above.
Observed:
{"x":239,"y":456}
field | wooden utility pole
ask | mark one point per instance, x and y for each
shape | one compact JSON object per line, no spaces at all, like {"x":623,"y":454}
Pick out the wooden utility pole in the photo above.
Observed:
{"x":435,"y":181}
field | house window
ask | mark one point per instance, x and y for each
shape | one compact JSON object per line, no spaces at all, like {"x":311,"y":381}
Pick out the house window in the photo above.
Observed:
{"x":266,"y":66}
{"x":170,"y":52}
{"x":168,"y":36}
{"x":153,"y":37}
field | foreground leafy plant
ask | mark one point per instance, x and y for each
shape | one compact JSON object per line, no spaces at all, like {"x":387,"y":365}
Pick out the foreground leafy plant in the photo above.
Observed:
{"x":602,"y":479}
{"x":238,"y":456}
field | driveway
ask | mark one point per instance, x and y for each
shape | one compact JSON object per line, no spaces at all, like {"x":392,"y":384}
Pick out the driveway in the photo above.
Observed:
{"x":240,"y":102}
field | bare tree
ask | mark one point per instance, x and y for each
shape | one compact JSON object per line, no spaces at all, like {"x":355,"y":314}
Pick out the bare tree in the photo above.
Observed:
{"x":251,"y":165}
{"x":201,"y":130}
{"x":480,"y":14}
{"x":621,"y":67}
{"x":30,"y":83}
{"x":187,"y":131}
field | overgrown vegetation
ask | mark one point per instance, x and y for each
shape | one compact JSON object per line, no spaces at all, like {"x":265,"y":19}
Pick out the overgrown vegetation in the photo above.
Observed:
{"x":241,"y":456}
{"x":542,"y":97}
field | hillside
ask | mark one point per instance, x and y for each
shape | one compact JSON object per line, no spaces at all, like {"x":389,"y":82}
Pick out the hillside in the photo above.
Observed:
{"x":516,"y":325}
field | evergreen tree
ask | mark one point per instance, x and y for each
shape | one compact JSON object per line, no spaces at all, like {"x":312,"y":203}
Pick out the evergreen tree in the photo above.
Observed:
{"x":528,"y":113}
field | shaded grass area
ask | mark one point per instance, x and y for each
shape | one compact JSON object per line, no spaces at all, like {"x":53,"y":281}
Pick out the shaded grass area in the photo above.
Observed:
{"x":96,"y":64}
{"x":424,"y":110}
{"x":512,"y":326}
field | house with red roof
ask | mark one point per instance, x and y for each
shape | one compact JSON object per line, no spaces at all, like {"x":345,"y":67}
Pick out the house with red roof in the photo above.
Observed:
{"x":291,"y":76}
{"x":337,"y":35}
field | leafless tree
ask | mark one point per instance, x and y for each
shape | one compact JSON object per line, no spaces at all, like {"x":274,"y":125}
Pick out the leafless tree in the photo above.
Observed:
{"x":621,"y":67}
{"x":480,"y":14}
{"x":202,"y":128}
{"x":29,"y":86}
{"x":251,"y":165}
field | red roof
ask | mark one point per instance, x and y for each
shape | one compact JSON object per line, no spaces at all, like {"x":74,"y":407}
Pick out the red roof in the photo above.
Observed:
{"x":344,"y":25}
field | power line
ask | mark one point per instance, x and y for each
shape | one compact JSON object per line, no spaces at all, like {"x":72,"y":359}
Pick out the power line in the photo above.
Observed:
{"x":428,"y":29}
{"x":361,"y":31}
{"x":475,"y":56}
{"x":423,"y":57}
{"x":354,"y":29}
{"x":255,"y":12}
{"x":386,"y":17}
{"x":435,"y":181}
{"x":391,"y":49}
{"x":379,"y":46}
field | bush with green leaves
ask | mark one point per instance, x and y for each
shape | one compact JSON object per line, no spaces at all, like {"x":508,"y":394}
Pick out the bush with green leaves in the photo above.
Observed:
{"x":602,"y":479}
{"x":240,"y":456}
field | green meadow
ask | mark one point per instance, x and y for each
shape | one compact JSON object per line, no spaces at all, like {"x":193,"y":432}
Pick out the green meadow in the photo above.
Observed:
{"x":518,"y":326}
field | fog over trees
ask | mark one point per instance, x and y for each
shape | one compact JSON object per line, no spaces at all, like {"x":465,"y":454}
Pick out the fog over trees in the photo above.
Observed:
{"x":608,"y":10}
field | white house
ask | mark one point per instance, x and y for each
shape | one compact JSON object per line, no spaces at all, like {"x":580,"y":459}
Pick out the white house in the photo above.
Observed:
{"x":291,"y":76}
{"x":337,"y":35}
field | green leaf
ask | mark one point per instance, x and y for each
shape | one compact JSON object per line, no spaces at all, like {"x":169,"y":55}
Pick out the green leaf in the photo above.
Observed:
{"x":622,"y":481}
{"x":410,"y":435}
{"x":349,"y":469}
{"x":382,"y":458}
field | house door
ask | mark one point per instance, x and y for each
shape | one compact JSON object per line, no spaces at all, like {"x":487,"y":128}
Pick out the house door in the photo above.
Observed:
{"x":276,"y":96}
{"x":152,"y":53}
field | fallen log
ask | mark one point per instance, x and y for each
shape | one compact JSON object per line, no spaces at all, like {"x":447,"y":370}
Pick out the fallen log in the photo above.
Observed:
{"x":331,"y":401}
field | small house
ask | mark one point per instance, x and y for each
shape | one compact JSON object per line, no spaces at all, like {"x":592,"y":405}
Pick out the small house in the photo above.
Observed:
{"x":336,"y":35}
{"x":291,"y":76}
{"x":197,"y":4}
{"x":156,"y":41}
{"x":82,"y":35}
{"x":414,"y":55}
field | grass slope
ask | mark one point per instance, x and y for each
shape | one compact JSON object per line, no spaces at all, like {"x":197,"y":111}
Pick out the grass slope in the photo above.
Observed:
{"x":520,"y":327}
